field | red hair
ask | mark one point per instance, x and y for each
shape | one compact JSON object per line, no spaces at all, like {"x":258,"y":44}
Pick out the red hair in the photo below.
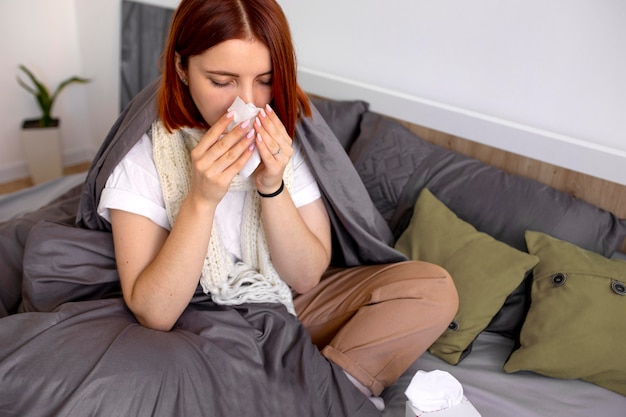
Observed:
{"x":198,"y":25}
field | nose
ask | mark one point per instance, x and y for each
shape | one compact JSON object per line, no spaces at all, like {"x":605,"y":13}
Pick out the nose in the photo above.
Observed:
{"x":246,"y":92}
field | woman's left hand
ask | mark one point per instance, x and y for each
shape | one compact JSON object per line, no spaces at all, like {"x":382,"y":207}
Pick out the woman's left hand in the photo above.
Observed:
{"x":275,"y":149}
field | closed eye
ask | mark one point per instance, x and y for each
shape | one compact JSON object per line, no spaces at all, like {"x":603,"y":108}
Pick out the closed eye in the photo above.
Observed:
{"x":219,"y":84}
{"x":268,"y":81}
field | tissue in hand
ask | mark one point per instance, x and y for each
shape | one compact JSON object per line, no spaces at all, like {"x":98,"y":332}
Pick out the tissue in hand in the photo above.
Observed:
{"x":437,"y":394}
{"x":243,"y":111}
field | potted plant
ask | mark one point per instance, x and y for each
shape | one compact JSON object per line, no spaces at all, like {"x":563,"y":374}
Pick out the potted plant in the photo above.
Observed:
{"x":41,"y":136}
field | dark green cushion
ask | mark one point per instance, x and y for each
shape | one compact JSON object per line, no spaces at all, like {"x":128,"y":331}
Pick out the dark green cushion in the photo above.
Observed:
{"x":576,"y":325}
{"x":485,"y":271}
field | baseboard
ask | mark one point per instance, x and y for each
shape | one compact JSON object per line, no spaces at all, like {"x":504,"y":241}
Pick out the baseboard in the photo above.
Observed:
{"x":18,"y":170}
{"x":571,"y":153}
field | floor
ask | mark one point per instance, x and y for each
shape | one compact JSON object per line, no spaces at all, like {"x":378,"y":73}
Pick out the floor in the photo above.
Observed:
{"x":12,"y":186}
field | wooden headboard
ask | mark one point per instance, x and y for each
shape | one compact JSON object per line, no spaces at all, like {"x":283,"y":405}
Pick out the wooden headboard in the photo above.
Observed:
{"x":601,"y":193}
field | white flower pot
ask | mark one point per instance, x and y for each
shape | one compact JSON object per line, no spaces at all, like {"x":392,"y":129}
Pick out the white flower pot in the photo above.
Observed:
{"x":42,"y":148}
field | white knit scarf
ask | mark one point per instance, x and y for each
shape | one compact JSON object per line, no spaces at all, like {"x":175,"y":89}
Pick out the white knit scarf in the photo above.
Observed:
{"x":254,"y":279}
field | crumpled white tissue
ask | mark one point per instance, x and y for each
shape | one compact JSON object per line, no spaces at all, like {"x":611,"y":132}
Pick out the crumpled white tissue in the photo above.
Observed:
{"x":245,"y":111}
{"x":434,"y":390}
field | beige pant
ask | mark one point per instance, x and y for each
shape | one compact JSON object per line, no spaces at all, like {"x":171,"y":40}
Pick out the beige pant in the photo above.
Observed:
{"x":375,"y":321}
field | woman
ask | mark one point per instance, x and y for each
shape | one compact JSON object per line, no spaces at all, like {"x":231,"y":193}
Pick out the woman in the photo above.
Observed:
{"x":178,"y":192}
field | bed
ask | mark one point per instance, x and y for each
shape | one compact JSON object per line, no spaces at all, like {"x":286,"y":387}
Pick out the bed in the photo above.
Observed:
{"x":47,"y":369}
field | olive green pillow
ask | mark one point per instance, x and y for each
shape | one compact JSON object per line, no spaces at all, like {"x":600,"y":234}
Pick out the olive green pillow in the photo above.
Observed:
{"x":485,"y":271}
{"x":576,"y":325}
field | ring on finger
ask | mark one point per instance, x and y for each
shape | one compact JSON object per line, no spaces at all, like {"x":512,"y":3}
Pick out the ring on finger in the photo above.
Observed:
{"x":276,"y":153}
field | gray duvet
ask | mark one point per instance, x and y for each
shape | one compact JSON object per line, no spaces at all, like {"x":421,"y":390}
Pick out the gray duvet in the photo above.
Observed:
{"x":70,"y":347}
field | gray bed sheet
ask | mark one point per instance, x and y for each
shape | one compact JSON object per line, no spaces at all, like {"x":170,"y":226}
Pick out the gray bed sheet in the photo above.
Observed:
{"x":15,"y":204}
{"x":496,"y":394}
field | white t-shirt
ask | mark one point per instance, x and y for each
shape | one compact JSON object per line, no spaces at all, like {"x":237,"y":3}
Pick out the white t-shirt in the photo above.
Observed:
{"x":134,"y":186}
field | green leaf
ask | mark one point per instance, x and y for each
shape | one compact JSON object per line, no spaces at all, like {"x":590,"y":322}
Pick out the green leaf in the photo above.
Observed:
{"x":42,"y":95}
{"x":64,"y":84}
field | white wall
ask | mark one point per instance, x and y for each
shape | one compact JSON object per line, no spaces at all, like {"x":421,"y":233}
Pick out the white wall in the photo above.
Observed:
{"x":43,"y":36}
{"x":57,"y":39}
{"x":100,"y":58}
{"x":544,"y":79}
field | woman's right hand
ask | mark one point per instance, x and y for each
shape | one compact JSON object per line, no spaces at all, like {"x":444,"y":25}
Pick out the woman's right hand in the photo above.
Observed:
{"x":218,"y":157}
{"x":159,"y":271}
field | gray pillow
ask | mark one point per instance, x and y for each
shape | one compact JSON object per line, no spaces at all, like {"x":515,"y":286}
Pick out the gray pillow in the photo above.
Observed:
{"x":396,"y":165}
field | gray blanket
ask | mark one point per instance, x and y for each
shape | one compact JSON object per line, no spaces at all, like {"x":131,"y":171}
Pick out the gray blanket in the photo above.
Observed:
{"x":70,"y":347}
